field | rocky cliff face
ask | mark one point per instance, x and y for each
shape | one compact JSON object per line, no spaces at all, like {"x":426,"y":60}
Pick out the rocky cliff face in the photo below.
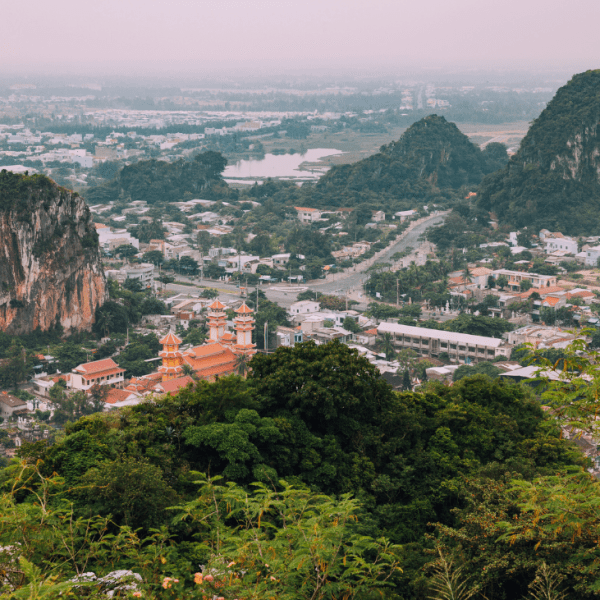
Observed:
{"x":50,"y":270}
{"x":553,"y":181}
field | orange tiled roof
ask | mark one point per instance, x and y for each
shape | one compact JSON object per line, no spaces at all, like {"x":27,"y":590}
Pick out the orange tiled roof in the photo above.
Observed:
{"x":144,"y":383}
{"x":173,"y":385}
{"x":210,"y":357}
{"x":216,"y":305}
{"x":243,"y":309}
{"x":550,"y":290}
{"x":551,"y":300}
{"x":170,"y":340}
{"x":98,"y":366}
{"x":480,"y":271}
{"x":115,"y":395}
{"x":583,"y":294}
{"x":305,"y":209}
{"x":208,"y":349}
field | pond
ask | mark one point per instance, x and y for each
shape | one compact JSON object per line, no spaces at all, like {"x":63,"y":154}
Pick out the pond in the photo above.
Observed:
{"x":284,"y":166}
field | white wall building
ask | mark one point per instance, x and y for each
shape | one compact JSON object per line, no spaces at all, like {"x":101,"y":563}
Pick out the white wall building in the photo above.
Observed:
{"x":592,"y":256}
{"x":304,"y":307}
{"x":461,"y":347}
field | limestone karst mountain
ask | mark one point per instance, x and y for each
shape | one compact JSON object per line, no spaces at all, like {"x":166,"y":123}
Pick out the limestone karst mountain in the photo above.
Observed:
{"x":553,"y":181}
{"x":50,"y":269}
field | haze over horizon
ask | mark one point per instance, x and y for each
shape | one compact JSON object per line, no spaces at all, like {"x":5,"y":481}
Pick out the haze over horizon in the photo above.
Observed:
{"x":182,"y":37}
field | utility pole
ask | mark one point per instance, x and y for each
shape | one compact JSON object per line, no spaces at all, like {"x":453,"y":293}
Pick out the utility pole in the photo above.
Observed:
{"x":257,"y":297}
{"x":397,"y":293}
{"x":266,"y":336}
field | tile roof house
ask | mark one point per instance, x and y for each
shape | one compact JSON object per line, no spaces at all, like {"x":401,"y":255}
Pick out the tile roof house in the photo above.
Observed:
{"x":101,"y":372}
{"x":11,"y":405}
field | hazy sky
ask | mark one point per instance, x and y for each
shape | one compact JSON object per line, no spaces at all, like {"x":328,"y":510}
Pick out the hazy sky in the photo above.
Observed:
{"x":147,"y":36}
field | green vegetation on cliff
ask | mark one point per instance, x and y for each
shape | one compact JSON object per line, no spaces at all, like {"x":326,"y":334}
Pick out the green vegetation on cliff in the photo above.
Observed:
{"x":553,"y":181}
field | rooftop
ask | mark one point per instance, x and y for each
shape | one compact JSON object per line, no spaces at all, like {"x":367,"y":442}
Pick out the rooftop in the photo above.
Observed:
{"x":449,"y":336}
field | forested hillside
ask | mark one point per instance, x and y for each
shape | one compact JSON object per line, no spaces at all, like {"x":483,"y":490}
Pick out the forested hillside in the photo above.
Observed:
{"x":553,"y":181}
{"x":254,"y":479}
{"x":154,"y":181}
{"x":431,"y":159}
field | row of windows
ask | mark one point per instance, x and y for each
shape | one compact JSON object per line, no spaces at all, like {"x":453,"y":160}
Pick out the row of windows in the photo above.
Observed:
{"x":444,"y":345}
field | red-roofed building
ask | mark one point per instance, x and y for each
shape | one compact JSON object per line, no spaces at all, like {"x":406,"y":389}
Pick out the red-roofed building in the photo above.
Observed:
{"x":217,"y":357}
{"x":101,"y":372}
{"x":174,"y":385}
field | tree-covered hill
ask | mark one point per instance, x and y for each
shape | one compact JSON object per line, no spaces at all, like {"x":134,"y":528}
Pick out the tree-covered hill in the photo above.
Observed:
{"x":553,"y":181}
{"x":318,"y":417}
{"x":154,"y":180}
{"x":432,"y":158}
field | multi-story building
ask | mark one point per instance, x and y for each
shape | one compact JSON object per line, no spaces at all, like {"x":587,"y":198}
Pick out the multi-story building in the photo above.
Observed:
{"x":516,"y":277}
{"x":100,"y":372}
{"x":308,"y":215}
{"x":461,"y":347}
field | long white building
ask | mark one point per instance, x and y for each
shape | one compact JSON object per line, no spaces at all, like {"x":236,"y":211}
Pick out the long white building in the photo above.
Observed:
{"x":461,"y":347}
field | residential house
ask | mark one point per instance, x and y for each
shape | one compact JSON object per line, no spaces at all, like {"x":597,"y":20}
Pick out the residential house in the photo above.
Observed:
{"x":11,"y":405}
{"x":289,"y":336}
{"x":592,"y":255}
{"x":378,"y":216}
{"x":516,"y":277}
{"x":480,"y":277}
{"x":100,"y":372}
{"x":403,"y":215}
{"x":304,"y":307}
{"x":323,"y":335}
{"x":558,"y":241}
{"x":308,"y":215}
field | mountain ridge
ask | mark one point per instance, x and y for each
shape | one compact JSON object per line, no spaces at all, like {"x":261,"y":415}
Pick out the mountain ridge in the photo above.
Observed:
{"x":553,"y":181}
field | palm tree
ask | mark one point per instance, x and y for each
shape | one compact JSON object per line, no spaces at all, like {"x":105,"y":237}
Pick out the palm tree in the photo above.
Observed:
{"x":388,"y":346}
{"x":241,"y":364}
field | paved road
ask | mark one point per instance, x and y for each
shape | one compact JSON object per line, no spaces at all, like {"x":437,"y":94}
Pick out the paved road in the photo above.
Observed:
{"x":354,"y":280}
{"x":348,"y":282}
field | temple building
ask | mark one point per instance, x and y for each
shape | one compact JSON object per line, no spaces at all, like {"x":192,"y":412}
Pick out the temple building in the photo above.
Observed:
{"x":219,"y":355}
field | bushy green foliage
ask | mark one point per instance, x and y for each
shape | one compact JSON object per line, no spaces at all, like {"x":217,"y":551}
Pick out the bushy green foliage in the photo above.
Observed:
{"x":159,"y":181}
{"x":317,"y":416}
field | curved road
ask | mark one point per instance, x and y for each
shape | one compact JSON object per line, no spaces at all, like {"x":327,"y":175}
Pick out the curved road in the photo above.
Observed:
{"x":341,"y":283}
{"x":350,"y":280}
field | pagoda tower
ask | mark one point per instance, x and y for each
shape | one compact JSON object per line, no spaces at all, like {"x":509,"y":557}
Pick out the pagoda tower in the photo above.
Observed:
{"x":217,"y":321}
{"x":244,"y":325}
{"x":172,"y":358}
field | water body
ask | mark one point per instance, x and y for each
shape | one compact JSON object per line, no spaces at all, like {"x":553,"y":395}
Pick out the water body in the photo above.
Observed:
{"x":284,"y":166}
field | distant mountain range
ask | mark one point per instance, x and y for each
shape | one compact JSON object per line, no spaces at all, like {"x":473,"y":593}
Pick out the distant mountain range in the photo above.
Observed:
{"x":431,"y":159}
{"x":553,"y":181}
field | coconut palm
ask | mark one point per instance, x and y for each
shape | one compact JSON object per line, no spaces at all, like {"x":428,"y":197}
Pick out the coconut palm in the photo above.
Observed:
{"x":241,"y":364}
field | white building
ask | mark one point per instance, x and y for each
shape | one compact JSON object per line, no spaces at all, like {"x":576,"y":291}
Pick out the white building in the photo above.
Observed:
{"x":304,"y":307}
{"x":308,"y":215}
{"x":592,"y":256}
{"x":516,"y":277}
{"x":405,"y":214}
{"x":558,"y":241}
{"x":106,"y":234}
{"x":101,"y":372}
{"x":461,"y":347}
